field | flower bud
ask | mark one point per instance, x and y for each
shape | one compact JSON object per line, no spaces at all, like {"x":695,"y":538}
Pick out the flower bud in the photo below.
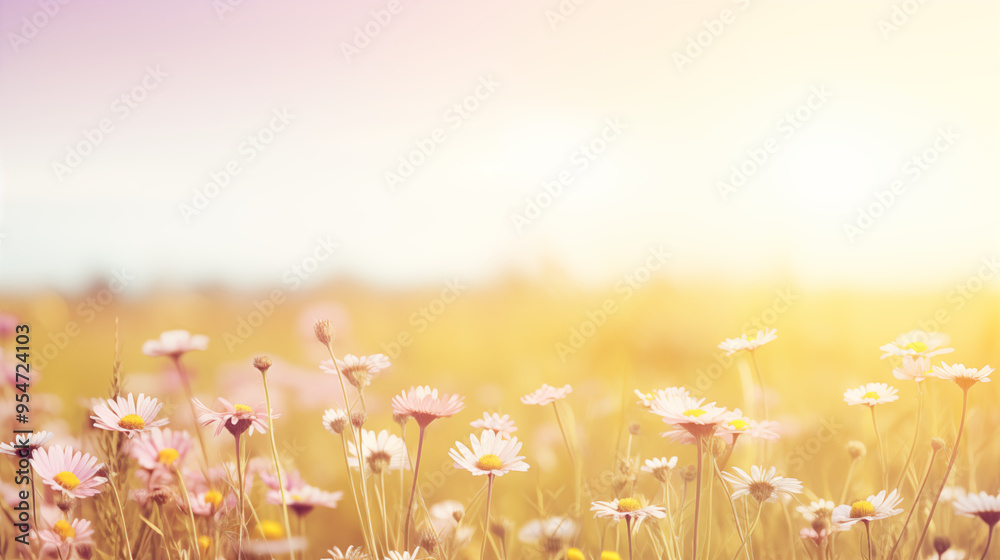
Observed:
{"x":856,"y":450}
{"x":262,"y":363}
{"x":937,"y":444}
{"x":324,"y":331}
{"x":941,"y":544}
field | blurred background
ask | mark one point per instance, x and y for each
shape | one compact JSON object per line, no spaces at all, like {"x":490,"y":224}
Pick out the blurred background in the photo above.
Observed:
{"x":501,"y":195}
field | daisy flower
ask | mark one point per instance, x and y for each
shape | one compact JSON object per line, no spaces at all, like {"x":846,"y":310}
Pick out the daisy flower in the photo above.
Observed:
{"x":236,"y":418}
{"x":424,"y":405}
{"x":738,"y":425}
{"x":448,"y":510}
{"x":913,"y":369}
{"x":28,"y":442}
{"x":873,"y":508}
{"x":130,"y":416}
{"x":73,"y":474}
{"x":626,"y":508}
{"x":65,"y":538}
{"x":501,"y":425}
{"x":335,"y":420}
{"x":763,"y":486}
{"x":871,"y":394}
{"x":917,"y":343}
{"x":357,"y":370}
{"x":490,"y":454}
{"x":550,"y":534}
{"x":646,"y":399}
{"x":748,"y":342}
{"x":174,"y":343}
{"x":962,"y":376}
{"x":160,"y":449}
{"x":982,"y":505}
{"x":303,"y":498}
{"x":546,"y":394}
{"x":821,"y":508}
{"x":660,"y":468}
{"x":393,"y":555}
{"x":690,"y":414}
{"x":351,"y":553}
{"x":209,"y":503}
{"x":817,"y":537}
{"x":383,"y":452}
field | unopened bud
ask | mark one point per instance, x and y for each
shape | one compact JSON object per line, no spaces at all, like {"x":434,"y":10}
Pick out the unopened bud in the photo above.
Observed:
{"x":324,"y":331}
{"x":358,"y":419}
{"x":262,"y":363}
{"x":856,"y":449}
{"x":634,"y":428}
{"x":941,"y":545}
{"x":937,"y":444}
{"x":689,"y":473}
{"x":427,"y":541}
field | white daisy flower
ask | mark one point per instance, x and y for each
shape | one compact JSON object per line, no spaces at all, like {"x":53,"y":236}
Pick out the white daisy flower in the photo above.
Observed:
{"x":691,"y":414}
{"x":502,"y":425}
{"x":917,"y":343}
{"x":913,"y":369}
{"x":763,"y":486}
{"x":982,"y":505}
{"x":873,"y":508}
{"x":871,"y":394}
{"x":820,"y":508}
{"x":660,"y":467}
{"x":27,"y":442}
{"x":629,"y":509}
{"x":646,"y":399}
{"x":550,"y":534}
{"x":748,"y":342}
{"x":491,"y":454}
{"x":962,"y":376}
{"x":393,"y":555}
{"x":383,"y":452}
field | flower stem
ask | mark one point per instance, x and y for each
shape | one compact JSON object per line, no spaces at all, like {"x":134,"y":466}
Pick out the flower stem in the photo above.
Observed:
{"x":413,"y":490}
{"x":881,"y":450}
{"x":916,"y":432}
{"x":187,"y":503}
{"x":989,"y":539}
{"x":916,"y":500}
{"x":277,"y":465}
{"x":628,"y":529}
{"x":760,"y":383}
{"x":697,"y":497}
{"x":239,"y":481}
{"x":947,"y":471}
{"x":489,"y":504}
{"x":354,"y":494}
{"x":868,"y":530}
{"x":749,"y":533}
{"x":121,"y":514}
{"x":194,"y":413}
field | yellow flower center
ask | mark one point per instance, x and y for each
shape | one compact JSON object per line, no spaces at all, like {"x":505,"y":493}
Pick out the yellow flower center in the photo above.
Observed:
{"x":862,"y":508}
{"x":203,"y":543}
{"x":242,"y":408}
{"x":213,"y":497}
{"x":271,"y":530}
{"x":626,"y":505}
{"x":132,"y":422}
{"x":489,"y":462}
{"x":739,"y":424}
{"x":870,"y":395}
{"x":917,"y":346}
{"x":167,"y":456}
{"x":574,"y":554}
{"x":609,"y":555}
{"x":695,"y":412}
{"x":64,"y":530}
{"x":67,"y":480}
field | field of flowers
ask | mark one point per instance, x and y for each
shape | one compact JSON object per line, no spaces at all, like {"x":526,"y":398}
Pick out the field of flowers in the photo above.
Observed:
{"x":514,"y":421}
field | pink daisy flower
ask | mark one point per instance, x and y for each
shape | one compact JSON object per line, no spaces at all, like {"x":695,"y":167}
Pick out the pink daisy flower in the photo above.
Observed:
{"x":424,"y":405}
{"x":208,"y":503}
{"x":501,"y":425}
{"x":174,"y":343}
{"x":72,"y":474}
{"x":690,"y":414}
{"x":132,"y":416}
{"x":161,"y":449}
{"x":30,"y":442}
{"x":66,"y":538}
{"x":491,"y":454}
{"x":357,"y":370}
{"x":303,"y":498}
{"x":546,"y":394}
{"x":237,"y":418}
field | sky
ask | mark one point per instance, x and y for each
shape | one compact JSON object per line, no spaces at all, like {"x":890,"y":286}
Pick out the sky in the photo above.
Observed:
{"x":840,"y":144}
